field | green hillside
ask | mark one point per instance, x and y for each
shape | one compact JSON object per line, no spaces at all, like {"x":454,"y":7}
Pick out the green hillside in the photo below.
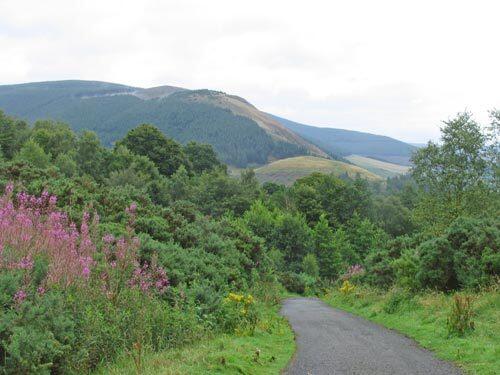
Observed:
{"x":347,"y":142}
{"x":287,"y":171}
{"x":381,"y":168}
{"x":240,"y":133}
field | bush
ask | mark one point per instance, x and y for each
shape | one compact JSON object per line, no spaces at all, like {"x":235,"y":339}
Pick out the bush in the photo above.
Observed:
{"x":37,"y":336}
{"x":405,"y":269}
{"x":347,"y":288}
{"x":239,"y":314}
{"x":460,"y":317}
{"x":397,"y":298}
{"x":310,"y":266}
{"x":435,"y":269}
{"x":299,"y":283}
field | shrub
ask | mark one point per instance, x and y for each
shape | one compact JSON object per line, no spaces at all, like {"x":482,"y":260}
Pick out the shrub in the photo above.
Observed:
{"x":405,"y":269}
{"x":310,"y":265}
{"x":239,"y":314}
{"x":68,"y":299}
{"x":397,"y":298}
{"x":460,"y":317}
{"x":347,"y":288}
{"x":37,"y":335}
{"x":435,"y":269}
{"x":300,"y":283}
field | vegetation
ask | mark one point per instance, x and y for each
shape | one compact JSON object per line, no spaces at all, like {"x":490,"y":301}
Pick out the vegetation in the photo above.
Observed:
{"x":267,"y":351}
{"x":132,"y":256}
{"x":287,"y":171}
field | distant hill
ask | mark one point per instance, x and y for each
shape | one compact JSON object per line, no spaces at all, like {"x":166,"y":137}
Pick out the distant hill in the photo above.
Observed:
{"x":347,"y":142}
{"x":381,"y":168}
{"x":240,"y":133}
{"x":286,"y":171}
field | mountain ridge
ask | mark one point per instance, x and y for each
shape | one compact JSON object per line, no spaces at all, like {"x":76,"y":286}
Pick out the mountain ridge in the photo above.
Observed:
{"x":342,"y":142}
{"x":241,"y":134}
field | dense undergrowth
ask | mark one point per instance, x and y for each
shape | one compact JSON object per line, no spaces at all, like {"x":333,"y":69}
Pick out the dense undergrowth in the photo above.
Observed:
{"x":266,"y":351}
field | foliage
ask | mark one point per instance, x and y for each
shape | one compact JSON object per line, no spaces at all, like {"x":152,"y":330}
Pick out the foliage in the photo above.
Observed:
{"x":145,"y":242}
{"x":33,"y":154}
{"x":310,"y":265}
{"x":330,"y":257}
{"x":149,"y":141}
{"x":240,"y":313}
{"x":460,"y":319}
{"x":347,"y":287}
{"x":456,"y":176}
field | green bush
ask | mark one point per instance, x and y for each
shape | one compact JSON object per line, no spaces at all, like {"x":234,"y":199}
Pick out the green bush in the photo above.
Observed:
{"x":238,"y":314}
{"x":397,"y":298}
{"x":37,"y":336}
{"x":310,"y":266}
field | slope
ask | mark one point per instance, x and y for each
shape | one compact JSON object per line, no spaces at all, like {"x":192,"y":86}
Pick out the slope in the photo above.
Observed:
{"x":286,"y":171}
{"x":347,"y":142}
{"x":239,"y":132}
{"x":381,"y":168}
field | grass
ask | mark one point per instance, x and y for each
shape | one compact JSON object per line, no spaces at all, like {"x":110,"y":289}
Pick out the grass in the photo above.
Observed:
{"x":381,"y":168}
{"x":286,"y":171}
{"x":266,"y":352}
{"x":424,"y":318}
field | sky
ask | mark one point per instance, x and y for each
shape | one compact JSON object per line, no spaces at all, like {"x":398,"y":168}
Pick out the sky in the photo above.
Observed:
{"x":397,"y":68}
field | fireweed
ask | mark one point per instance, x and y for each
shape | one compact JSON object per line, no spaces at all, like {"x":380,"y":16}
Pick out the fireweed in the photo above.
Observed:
{"x":32,"y":228}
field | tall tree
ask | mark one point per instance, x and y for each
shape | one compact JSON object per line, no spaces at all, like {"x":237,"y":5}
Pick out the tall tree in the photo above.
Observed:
{"x":33,"y":153}
{"x":90,"y":155}
{"x":455,"y":175}
{"x":328,"y":255}
{"x":149,"y":141}
{"x":13,"y":133}
{"x":202,"y":157}
{"x":54,"y":137}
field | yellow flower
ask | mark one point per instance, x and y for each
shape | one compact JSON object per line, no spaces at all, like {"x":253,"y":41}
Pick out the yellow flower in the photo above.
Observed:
{"x":347,"y":287}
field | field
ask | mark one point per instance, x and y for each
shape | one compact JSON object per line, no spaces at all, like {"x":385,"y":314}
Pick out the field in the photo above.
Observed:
{"x":286,"y":171}
{"x":381,"y":168}
{"x":266,"y":352}
{"x":424,"y":318}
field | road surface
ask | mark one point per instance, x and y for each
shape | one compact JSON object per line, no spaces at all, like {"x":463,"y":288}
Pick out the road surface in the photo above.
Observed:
{"x":332,"y":341}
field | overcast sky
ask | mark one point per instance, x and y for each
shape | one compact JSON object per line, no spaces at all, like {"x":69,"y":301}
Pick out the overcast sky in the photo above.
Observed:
{"x":388,"y":67}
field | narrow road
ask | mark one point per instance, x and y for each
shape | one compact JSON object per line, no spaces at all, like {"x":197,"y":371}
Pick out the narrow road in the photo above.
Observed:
{"x":332,"y":341}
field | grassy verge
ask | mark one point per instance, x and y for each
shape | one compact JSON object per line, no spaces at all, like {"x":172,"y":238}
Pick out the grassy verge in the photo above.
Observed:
{"x":267,"y":351}
{"x":424,"y":318}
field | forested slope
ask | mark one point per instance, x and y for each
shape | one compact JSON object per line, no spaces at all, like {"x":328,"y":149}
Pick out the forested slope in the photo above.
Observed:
{"x":343,"y":142}
{"x":240,"y":134}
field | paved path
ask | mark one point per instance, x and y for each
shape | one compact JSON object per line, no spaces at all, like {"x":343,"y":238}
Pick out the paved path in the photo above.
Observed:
{"x":331,"y":341}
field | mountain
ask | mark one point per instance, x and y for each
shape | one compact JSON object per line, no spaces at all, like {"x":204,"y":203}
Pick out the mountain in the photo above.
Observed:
{"x":343,"y":143}
{"x":286,"y":171}
{"x":240,"y":133}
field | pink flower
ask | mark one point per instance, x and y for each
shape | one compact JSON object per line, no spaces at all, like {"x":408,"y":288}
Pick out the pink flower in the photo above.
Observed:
{"x":86,"y":272}
{"x":41,"y":290}
{"x":26,"y":263}
{"x":108,"y":238}
{"x":52,"y":200}
{"x":20,"y":296}
{"x":9,"y":188}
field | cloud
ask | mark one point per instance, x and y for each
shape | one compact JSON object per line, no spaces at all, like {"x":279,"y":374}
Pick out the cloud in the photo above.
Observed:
{"x":389,"y":67}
